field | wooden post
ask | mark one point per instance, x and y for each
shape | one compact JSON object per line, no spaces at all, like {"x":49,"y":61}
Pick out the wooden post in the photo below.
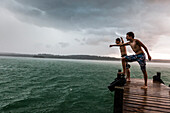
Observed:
{"x":118,"y":99}
{"x":157,"y":78}
{"x":159,"y":75}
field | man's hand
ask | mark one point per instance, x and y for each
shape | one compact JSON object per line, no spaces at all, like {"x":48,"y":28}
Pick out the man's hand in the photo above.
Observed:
{"x":149,"y":57}
{"x":121,"y":38}
{"x":110,"y":45}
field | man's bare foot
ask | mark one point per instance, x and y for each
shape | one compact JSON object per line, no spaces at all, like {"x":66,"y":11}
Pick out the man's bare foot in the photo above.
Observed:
{"x":144,"y":87}
{"x":128,"y":79}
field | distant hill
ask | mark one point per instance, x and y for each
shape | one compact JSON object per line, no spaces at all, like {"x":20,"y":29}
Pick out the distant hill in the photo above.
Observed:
{"x":85,"y":57}
{"x":160,"y":61}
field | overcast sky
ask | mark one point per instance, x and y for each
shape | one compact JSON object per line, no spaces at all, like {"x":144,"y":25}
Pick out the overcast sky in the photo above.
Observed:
{"x":88,"y":27}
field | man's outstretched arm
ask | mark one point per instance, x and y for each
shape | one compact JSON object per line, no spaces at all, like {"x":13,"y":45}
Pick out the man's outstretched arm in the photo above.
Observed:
{"x":115,"y":45}
{"x":124,"y":44}
{"x":145,"y":48}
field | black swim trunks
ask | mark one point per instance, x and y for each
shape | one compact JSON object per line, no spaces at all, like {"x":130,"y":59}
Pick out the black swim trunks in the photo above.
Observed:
{"x":140,"y":58}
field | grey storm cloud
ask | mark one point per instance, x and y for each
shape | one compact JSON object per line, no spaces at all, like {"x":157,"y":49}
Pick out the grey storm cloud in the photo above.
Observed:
{"x":78,"y":14}
{"x":73,"y":14}
{"x":96,"y":41}
{"x":98,"y":20}
{"x":63,"y":44}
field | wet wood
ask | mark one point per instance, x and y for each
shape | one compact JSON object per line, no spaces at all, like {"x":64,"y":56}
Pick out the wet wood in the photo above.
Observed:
{"x":155,"y":99}
{"x":118,"y":99}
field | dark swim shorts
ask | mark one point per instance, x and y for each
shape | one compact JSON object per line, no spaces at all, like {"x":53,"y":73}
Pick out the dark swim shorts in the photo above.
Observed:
{"x":140,"y":58}
{"x":127,"y":65}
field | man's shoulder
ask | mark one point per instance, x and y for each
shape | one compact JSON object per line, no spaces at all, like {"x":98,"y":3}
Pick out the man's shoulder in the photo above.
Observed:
{"x":137,"y":41}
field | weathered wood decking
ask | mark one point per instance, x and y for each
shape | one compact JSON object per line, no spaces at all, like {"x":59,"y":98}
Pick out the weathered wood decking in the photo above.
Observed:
{"x":156,"y":99}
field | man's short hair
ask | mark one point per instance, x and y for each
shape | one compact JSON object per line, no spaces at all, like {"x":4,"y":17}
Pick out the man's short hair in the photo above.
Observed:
{"x":130,"y":34}
{"x":118,"y":39}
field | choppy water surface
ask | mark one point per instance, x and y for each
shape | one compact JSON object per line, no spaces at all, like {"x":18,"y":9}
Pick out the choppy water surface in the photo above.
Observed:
{"x":29,"y":85}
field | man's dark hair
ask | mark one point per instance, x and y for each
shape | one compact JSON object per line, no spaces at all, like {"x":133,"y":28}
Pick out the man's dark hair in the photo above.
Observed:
{"x":130,"y":34}
{"x":118,"y":39}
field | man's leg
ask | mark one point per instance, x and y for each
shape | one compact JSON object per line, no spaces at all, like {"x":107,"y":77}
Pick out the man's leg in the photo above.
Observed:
{"x":128,"y":75}
{"x":124,"y":65}
{"x":142,"y":62}
{"x":145,"y":79}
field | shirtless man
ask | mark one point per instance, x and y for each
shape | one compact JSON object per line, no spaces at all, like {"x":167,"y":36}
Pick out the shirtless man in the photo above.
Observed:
{"x":136,"y":46}
{"x":123,"y":54}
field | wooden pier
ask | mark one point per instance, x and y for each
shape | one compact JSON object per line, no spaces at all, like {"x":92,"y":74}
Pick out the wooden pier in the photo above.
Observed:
{"x":155,"y":99}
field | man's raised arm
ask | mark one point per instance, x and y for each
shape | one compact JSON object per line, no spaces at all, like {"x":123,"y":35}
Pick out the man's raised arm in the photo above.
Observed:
{"x":122,"y":40}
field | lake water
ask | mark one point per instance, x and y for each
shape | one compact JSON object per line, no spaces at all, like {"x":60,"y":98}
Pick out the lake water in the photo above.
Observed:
{"x":32,"y":85}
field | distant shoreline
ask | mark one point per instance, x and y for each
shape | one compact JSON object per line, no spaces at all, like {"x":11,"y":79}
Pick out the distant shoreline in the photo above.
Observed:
{"x":80,"y":57}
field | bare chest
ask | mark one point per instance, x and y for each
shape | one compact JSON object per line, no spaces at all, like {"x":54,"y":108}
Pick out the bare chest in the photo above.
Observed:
{"x":134,"y":46}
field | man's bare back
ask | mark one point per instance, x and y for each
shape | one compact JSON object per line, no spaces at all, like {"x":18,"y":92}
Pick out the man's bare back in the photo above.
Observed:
{"x":123,"y":50}
{"x":123,"y":54}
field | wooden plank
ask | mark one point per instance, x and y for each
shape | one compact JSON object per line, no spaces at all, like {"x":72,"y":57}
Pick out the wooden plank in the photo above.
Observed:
{"x":145,"y":107}
{"x":148,"y":105}
{"x":150,"y":102}
{"x":154,"y":89}
{"x":148,"y":97}
{"x":166,"y":105}
{"x":138,"y":110}
{"x":156,"y":99}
